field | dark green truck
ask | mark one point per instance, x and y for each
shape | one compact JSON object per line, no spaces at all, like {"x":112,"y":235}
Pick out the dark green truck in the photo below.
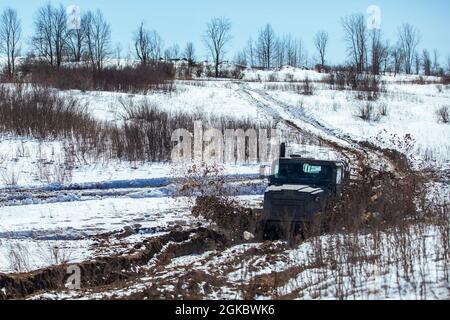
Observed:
{"x":299,"y":190}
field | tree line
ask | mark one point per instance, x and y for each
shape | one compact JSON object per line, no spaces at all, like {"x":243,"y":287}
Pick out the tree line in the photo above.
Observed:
{"x":90,"y":42}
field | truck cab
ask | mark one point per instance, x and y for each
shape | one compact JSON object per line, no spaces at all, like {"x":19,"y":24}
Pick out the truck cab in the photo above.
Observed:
{"x":299,"y":188}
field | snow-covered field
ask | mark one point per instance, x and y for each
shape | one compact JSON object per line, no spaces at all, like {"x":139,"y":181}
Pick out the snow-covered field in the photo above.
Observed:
{"x":411,"y":110}
{"x":46,"y":207}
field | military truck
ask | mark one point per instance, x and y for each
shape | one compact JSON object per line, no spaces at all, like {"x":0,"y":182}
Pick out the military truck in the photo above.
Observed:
{"x":299,"y":189}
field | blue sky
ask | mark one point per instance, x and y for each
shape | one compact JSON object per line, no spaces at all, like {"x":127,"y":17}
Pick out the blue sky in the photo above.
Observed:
{"x":179,"y":21}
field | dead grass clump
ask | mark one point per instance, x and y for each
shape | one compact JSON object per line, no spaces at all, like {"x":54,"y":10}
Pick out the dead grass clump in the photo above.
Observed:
{"x":366,"y":112}
{"x":41,"y":113}
{"x":19,"y":258}
{"x":305,"y":87}
{"x":443,"y":114}
{"x":214,"y":200}
{"x":383,"y":109}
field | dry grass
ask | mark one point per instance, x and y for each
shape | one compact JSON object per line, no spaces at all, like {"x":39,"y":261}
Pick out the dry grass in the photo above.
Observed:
{"x":19,"y":258}
{"x":443,"y":114}
{"x":145,"y":133}
{"x":158,"y":76}
{"x":303,"y":88}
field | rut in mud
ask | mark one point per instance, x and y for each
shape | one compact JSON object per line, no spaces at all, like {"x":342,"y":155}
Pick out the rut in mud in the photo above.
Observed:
{"x":108,"y":271}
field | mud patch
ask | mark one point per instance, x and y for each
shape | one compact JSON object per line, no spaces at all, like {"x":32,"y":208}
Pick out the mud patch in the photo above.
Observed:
{"x":106,"y":271}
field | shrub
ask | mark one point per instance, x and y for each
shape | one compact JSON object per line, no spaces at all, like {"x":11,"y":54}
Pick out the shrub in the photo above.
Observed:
{"x":41,"y":113}
{"x":215,"y":200}
{"x":383,"y":109}
{"x":443,"y":114}
{"x":144,"y":135}
{"x":366,"y":112}
{"x":304,"y":88}
{"x":368,"y":87}
{"x":308,"y":89}
{"x":140,"y":78}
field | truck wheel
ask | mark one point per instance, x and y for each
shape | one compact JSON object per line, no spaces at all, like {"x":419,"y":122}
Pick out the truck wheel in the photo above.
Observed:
{"x":271,"y":231}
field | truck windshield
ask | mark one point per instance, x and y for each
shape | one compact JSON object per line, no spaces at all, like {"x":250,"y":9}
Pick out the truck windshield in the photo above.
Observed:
{"x":301,"y":172}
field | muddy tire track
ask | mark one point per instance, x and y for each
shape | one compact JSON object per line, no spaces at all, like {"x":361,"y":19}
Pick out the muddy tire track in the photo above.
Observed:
{"x":355,"y":152}
{"x":106,"y":271}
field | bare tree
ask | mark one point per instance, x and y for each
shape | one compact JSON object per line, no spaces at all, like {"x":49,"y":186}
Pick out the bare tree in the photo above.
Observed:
{"x":173,"y":52}
{"x":50,"y":38}
{"x":280,"y":52}
{"x":397,"y":58}
{"x":10,"y":34}
{"x":153,"y":45}
{"x":379,"y":51}
{"x":189,"y":53}
{"x":436,"y":65}
{"x":216,"y":37}
{"x":385,"y":55}
{"x":294,"y":55}
{"x":42,"y":40}
{"x":426,"y":61}
{"x":267,"y":42}
{"x":241,"y":59}
{"x":98,"y":39}
{"x":291,"y":51}
{"x":250,"y":53}
{"x":321,"y":42}
{"x":301,"y":54}
{"x":60,"y":33}
{"x":409,"y":40}
{"x":417,"y":62}
{"x":356,"y":38}
{"x":118,"y":52}
{"x":142,"y":44}
{"x":448,"y":63}
{"x":76,"y":41}
{"x":147,"y":44}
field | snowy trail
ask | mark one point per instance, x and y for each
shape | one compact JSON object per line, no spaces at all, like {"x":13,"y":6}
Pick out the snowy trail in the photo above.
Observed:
{"x":85,"y":213}
{"x":118,"y":184}
{"x":89,"y":218}
{"x":298,"y":120}
{"x":72,"y":217}
{"x":140,"y":188}
{"x":280,"y":110}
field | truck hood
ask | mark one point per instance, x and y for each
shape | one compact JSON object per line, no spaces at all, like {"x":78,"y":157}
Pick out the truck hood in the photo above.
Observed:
{"x":296,"y":187}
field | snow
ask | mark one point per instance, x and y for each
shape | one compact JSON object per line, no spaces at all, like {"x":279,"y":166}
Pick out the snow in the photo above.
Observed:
{"x":291,"y":74}
{"x":411,"y":111}
{"x":73,"y":227}
{"x":90,"y":217}
{"x":38,"y":254}
{"x":43,"y":207}
{"x":202,"y":97}
{"x":284,"y":74}
{"x":38,"y":164}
